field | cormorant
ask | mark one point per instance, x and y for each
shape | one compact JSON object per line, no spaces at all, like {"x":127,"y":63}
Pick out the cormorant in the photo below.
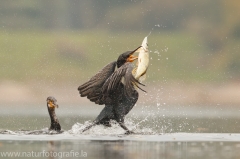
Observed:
{"x":51,"y":105}
{"x":115,"y":88}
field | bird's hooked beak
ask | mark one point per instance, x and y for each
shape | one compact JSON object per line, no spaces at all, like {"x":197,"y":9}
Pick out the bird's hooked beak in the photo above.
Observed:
{"x":131,"y":58}
{"x":144,"y":45}
{"x":52,"y":103}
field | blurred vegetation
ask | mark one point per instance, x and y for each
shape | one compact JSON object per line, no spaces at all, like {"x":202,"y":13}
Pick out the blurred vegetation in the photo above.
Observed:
{"x":61,"y":40}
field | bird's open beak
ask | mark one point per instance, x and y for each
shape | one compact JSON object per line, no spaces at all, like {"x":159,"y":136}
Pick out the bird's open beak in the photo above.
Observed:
{"x":131,"y":58}
{"x":139,"y":49}
{"x":144,"y":45}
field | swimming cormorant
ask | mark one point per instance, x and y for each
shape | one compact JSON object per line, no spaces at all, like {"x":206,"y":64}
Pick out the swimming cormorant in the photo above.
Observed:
{"x":51,"y":105}
{"x":114,"y":87}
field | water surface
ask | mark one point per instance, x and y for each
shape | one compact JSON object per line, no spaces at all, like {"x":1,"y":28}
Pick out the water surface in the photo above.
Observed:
{"x":165,"y":132}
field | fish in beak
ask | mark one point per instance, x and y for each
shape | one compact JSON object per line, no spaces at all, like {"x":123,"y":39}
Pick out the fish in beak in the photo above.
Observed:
{"x":143,"y":61}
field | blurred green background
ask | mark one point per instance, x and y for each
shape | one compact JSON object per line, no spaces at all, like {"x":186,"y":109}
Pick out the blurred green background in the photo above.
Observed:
{"x":51,"y":47}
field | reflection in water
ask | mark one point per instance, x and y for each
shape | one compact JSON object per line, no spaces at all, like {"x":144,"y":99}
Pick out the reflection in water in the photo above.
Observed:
{"x":51,"y":148}
{"x":127,"y":149}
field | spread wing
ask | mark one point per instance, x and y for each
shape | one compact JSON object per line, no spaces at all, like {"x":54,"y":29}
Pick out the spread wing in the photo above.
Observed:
{"x":92,"y":88}
{"x":111,"y":88}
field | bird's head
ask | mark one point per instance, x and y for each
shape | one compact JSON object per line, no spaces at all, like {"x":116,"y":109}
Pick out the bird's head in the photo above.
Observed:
{"x":52,"y":103}
{"x":126,"y":57}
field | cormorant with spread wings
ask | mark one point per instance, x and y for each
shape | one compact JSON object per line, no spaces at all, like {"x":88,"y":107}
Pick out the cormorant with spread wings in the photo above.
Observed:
{"x":114,"y":87}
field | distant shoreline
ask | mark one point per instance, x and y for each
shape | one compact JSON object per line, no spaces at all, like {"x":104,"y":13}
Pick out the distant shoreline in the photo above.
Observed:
{"x":12,"y":93}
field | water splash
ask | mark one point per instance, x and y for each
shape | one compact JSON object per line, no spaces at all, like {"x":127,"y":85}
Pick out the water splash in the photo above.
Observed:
{"x":77,"y":129}
{"x":149,"y":33}
{"x":115,"y":129}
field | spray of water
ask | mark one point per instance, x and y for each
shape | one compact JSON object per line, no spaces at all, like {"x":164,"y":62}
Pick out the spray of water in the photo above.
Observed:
{"x":115,"y":129}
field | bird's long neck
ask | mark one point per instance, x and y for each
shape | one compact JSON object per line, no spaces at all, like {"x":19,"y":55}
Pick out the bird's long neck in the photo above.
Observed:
{"x":54,"y":120}
{"x":52,"y":115}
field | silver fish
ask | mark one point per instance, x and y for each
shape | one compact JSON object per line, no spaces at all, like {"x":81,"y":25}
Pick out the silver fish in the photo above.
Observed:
{"x":143,"y":61}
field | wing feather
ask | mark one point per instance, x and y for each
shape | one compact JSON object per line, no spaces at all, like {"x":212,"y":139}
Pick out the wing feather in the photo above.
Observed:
{"x":92,"y":88}
{"x":110,"y":88}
